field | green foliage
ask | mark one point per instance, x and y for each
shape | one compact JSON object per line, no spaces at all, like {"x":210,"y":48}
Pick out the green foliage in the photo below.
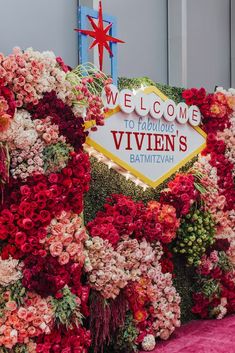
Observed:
{"x":195,"y":235}
{"x":224,"y":262}
{"x":17,"y":293}
{"x":210,"y":287}
{"x":66,"y":309}
{"x":174,"y":93}
{"x":125,"y":340}
{"x":56,"y":156}
{"x":19,"y":348}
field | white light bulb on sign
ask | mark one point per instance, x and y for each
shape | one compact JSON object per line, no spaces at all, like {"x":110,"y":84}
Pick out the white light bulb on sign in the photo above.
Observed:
{"x":194,"y":115}
{"x":156,"y":106}
{"x":142,"y":104}
{"x":170,"y":110}
{"x":126,"y":101}
{"x":182,"y":113}
{"x":110,"y":98}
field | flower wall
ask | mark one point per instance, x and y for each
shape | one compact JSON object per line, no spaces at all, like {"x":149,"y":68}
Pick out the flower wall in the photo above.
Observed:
{"x":113,"y":283}
{"x":43,"y":176}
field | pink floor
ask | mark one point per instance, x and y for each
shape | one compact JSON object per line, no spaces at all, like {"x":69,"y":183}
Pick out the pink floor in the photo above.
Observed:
{"x":214,"y":336}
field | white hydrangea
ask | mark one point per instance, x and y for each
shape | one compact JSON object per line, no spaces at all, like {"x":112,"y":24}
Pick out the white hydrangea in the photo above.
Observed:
{"x":148,"y":343}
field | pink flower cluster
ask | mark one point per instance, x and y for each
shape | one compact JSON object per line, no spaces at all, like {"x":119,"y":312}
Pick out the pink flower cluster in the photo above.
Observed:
{"x":155,"y":304}
{"x":26,"y":147}
{"x":19,"y":324}
{"x":48,"y":131}
{"x":92,"y":102}
{"x":30,"y":74}
{"x":106,"y":268}
{"x":10,"y":272}
{"x":138,"y":257}
{"x":28,"y":161}
{"x":66,"y":237}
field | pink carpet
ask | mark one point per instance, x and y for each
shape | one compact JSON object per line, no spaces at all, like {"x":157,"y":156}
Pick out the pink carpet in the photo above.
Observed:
{"x":215,"y":336}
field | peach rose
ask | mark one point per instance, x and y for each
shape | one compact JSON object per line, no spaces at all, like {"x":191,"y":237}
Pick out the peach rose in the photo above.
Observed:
{"x":11,"y":305}
{"x":37,"y":321}
{"x":56,"y":249}
{"x":30,"y":317}
{"x":67,"y":239}
{"x":72,"y":249}
{"x":63,"y":258}
{"x":165,"y":334}
{"x":31,"y":331}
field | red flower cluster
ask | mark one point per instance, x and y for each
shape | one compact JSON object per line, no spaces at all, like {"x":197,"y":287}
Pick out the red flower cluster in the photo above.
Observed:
{"x":32,"y":206}
{"x":7,"y":94}
{"x":7,"y":107}
{"x":61,"y":340}
{"x":225,"y":178}
{"x":181,"y":193}
{"x":45,"y":275}
{"x":4,"y":175}
{"x":194,"y":96}
{"x":122,"y":216}
{"x":207,"y":306}
{"x":118,"y":219}
{"x":157,"y":222}
{"x":166,"y":261}
{"x":215,"y":108}
{"x":62,"y":115}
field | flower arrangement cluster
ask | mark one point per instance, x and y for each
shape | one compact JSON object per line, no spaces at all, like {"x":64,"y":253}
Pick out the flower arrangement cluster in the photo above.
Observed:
{"x":125,"y":259}
{"x":122,"y":216}
{"x":43,"y":110}
{"x":216,"y":293}
{"x":213,"y":173}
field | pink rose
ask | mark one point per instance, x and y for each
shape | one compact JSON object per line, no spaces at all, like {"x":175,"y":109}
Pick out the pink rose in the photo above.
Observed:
{"x":22,"y":313}
{"x":30,"y":317}
{"x":11,"y":305}
{"x":72,"y":249}
{"x":31,"y":331}
{"x":53,"y":178}
{"x":63,"y":258}
{"x":165,"y":335}
{"x":56,"y":249}
{"x":67,"y":239}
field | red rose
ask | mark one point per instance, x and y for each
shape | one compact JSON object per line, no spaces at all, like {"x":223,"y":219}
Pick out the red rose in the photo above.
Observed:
{"x":3,"y":232}
{"x":53,"y":178}
{"x":20,"y":238}
{"x":27,"y":223}
{"x":25,"y":190}
{"x":45,"y":216}
{"x":26,"y":248}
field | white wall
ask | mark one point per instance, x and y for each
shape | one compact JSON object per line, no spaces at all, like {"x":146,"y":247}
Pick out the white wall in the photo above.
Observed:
{"x":208,"y":43}
{"x":41,"y":24}
{"x":143,"y":26}
{"x":199,"y":56}
{"x":233,"y":41}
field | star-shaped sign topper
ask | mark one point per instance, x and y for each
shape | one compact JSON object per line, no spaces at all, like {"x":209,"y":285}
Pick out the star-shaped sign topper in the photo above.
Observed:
{"x":101,"y":35}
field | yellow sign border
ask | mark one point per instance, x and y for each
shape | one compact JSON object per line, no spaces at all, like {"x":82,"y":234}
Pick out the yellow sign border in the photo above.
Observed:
{"x":143,"y":178}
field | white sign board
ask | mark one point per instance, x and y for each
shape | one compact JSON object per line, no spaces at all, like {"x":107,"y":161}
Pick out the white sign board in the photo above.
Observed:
{"x":151,"y":149}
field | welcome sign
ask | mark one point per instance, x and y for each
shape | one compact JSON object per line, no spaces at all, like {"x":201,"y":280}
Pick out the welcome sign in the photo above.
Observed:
{"x":148,"y":134}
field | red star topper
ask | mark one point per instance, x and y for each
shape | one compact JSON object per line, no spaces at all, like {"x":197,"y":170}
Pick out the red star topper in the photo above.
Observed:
{"x":101,"y":38}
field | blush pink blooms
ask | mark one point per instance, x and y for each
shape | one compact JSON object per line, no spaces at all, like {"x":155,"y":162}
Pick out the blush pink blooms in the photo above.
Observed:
{"x":19,"y":324}
{"x":66,"y":238}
